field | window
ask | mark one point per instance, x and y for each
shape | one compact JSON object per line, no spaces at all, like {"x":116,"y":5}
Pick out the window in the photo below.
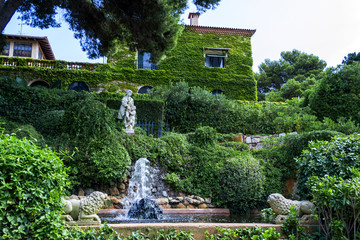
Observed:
{"x":215,"y":57}
{"x":6,"y":49}
{"x":22,"y":49}
{"x":215,"y":61}
{"x":78,"y":87}
{"x":144,"y":61}
{"x":144,"y":89}
{"x":40,"y":56}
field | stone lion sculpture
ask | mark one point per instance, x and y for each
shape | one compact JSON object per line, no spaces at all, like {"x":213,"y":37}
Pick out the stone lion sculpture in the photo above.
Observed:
{"x":281,"y":207}
{"x":84,"y":211}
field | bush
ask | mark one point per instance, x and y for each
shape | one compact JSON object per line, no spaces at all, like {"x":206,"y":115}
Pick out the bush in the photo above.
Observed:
{"x":29,"y":132}
{"x":335,"y":158}
{"x":203,"y":137}
{"x":337,"y":204}
{"x":244,"y":234}
{"x":190,"y":108}
{"x":33,"y":184}
{"x":50,"y":123}
{"x":99,"y":157}
{"x":278,"y":157}
{"x":241,"y":184}
{"x":337,"y":95}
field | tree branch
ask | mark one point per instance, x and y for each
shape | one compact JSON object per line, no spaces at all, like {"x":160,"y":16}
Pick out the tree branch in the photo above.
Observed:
{"x":7,"y":10}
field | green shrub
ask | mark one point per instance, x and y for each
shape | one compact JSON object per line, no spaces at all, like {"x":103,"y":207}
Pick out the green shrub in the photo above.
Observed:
{"x":278,"y":157}
{"x":33,"y":184}
{"x":203,"y":137}
{"x":236,"y":146}
{"x":291,"y":227}
{"x":50,"y":123}
{"x":337,"y":205}
{"x":29,"y":132}
{"x":244,"y":234}
{"x":337,"y":94}
{"x":335,"y":158}
{"x":241,"y":184}
{"x":98,"y":155}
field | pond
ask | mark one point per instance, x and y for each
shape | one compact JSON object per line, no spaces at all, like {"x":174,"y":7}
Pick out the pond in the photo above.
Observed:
{"x":187,"y":218}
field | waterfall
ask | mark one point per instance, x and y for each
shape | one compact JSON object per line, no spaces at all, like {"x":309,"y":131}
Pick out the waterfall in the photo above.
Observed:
{"x":139,"y":193}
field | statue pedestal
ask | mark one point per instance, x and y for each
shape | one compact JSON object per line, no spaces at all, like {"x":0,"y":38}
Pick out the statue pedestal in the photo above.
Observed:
{"x":129,"y":131}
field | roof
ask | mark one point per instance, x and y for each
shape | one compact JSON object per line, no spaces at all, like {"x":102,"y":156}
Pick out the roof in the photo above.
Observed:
{"x":43,"y":41}
{"x":220,"y":30}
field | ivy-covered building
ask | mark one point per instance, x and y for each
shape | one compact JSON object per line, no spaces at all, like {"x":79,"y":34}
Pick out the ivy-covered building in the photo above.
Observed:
{"x":219,"y":59}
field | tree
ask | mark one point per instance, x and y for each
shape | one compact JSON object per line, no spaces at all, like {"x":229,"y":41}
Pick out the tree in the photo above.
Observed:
{"x":351,"y":57}
{"x":148,"y":25}
{"x":337,"y":94}
{"x":273,"y":74}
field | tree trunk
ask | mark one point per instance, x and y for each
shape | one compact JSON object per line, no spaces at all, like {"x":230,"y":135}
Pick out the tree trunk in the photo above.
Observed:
{"x":7,"y":10}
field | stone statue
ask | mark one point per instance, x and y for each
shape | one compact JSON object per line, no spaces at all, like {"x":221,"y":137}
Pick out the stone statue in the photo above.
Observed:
{"x":127,"y":112}
{"x":281,"y":207}
{"x":83,"y":212}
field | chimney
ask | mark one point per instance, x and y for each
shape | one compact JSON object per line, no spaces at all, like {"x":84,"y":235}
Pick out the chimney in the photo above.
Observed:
{"x":194,"y":19}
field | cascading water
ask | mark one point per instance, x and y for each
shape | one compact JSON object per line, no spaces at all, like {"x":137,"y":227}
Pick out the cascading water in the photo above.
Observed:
{"x":138,"y":200}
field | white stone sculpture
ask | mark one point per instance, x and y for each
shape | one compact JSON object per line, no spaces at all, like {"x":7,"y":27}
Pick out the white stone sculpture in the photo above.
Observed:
{"x":281,"y":207}
{"x":84,"y":211}
{"x":127,"y":112}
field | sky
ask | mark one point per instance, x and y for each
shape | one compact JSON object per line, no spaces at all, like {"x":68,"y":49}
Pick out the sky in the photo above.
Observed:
{"x":329,"y":29}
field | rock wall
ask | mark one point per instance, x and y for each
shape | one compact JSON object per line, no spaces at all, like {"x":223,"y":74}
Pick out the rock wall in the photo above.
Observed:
{"x":257,"y":141}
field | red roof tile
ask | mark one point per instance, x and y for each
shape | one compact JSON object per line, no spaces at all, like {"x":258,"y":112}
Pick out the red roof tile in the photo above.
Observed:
{"x":220,"y":30}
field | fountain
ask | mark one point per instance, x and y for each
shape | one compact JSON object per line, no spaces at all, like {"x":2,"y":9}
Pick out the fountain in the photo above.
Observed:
{"x":138,"y":201}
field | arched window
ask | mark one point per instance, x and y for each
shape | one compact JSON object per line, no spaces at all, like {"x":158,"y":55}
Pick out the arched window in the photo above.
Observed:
{"x":144,"y":89}
{"x":39,"y":83}
{"x":79,"y":86}
{"x":217,"y":92}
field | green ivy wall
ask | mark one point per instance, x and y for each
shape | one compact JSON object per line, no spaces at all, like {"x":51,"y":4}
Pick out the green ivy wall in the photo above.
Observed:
{"x":186,"y":62}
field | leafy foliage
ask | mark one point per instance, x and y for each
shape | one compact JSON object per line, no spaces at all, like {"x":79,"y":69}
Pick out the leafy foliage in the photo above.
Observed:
{"x":241,"y":184}
{"x":337,"y":95}
{"x":278,"y":157}
{"x":33,"y":182}
{"x":292,"y":228}
{"x":273,"y":74}
{"x":98,"y":155}
{"x":244,"y":234}
{"x":98,"y":24}
{"x":335,"y":158}
{"x":189,"y":108}
{"x":351,"y":58}
{"x":338,"y":205}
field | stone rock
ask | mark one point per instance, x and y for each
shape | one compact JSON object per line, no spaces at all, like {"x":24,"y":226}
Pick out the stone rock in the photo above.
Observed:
{"x":122,"y":187}
{"x":73,"y":197}
{"x":145,"y":208}
{"x":165,"y":206}
{"x":180,"y":199}
{"x":88,"y":191}
{"x":81,"y":192}
{"x":202,"y":206}
{"x":194,"y":202}
{"x":114,"y":191}
{"x":207,"y":200}
{"x":200,"y":199}
{"x":174,"y":201}
{"x":190,"y":206}
{"x":180,"y":205}
{"x":162,"y":201}
{"x":164,"y":193}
